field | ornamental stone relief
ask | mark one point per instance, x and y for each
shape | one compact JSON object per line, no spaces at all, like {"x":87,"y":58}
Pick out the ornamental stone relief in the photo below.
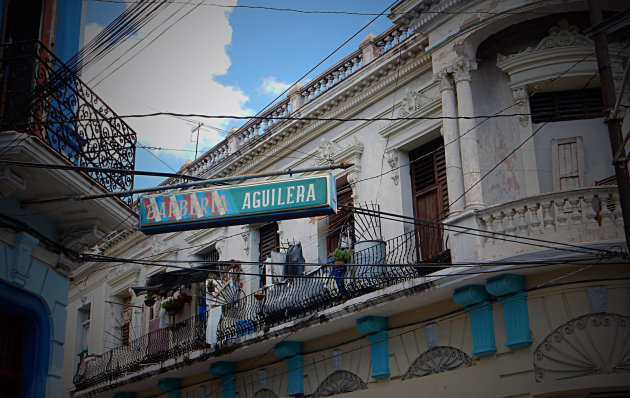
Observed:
{"x":339,"y":382}
{"x":331,"y":152}
{"x":437,"y":360}
{"x":561,"y":35}
{"x":413,"y":102}
{"x":593,"y":344}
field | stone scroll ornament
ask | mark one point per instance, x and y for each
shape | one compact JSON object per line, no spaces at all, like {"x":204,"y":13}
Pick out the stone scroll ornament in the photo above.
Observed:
{"x":593,"y":344}
{"x":437,"y":360}
{"x":339,"y":382}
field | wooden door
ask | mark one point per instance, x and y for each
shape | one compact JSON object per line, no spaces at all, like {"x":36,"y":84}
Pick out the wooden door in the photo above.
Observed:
{"x":430,"y":197}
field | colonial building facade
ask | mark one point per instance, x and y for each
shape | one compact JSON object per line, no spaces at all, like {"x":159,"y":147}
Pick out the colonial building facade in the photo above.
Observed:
{"x":42,"y":230}
{"x":481,"y":209}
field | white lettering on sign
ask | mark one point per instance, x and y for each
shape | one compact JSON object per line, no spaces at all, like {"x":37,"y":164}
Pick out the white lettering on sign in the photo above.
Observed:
{"x":274,"y":197}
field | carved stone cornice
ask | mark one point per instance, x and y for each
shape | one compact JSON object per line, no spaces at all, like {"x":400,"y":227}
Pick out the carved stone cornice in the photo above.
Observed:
{"x":123,"y":277}
{"x":356,"y":92}
{"x":81,"y":237}
{"x":565,"y":53}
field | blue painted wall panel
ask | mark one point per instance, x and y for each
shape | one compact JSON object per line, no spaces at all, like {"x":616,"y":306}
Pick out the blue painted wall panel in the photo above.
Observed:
{"x":68,"y":28}
{"x":55,"y":289}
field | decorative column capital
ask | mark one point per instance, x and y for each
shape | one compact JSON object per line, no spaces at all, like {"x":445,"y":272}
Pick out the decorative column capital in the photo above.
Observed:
{"x":371,"y":324}
{"x":470,"y":295}
{"x":222,"y":368}
{"x":462,"y":68}
{"x":502,"y":285}
{"x":444,"y":79}
{"x":288,"y":348}
{"x":171,"y":386}
{"x":521,"y":96}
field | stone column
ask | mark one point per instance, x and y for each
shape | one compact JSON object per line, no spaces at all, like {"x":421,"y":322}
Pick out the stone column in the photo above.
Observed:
{"x":528,"y":153}
{"x":467,"y":132}
{"x":450,"y":132}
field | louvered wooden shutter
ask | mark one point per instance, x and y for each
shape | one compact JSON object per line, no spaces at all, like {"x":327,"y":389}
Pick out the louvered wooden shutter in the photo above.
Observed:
{"x":430,"y":195}
{"x":566,"y":105}
{"x":269,"y":240}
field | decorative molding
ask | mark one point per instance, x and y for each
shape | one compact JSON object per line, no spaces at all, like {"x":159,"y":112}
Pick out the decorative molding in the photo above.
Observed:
{"x":331,"y":152}
{"x":158,"y":246}
{"x":462,"y":69}
{"x":592,"y":344}
{"x":563,"y":53}
{"x":413,"y":102}
{"x":438,"y":360}
{"x":81,"y":237}
{"x":444,"y":80}
{"x":392,"y":160}
{"x":562,"y":35}
{"x":245,"y":236}
{"x":521,"y":101}
{"x":339,"y":382}
{"x":10,"y":182}
{"x":369,"y":88}
{"x":122,"y":278}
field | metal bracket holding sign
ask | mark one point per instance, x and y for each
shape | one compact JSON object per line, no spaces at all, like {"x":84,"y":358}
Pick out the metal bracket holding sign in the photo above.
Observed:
{"x":238,"y":204}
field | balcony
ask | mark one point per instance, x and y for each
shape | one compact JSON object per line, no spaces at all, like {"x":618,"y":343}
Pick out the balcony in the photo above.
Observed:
{"x":580,"y":216}
{"x":385,"y":264}
{"x":40,"y":95}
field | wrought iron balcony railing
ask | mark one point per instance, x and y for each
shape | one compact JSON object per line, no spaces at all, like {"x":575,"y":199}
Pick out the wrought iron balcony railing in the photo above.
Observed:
{"x":40,"y":95}
{"x":384,"y":264}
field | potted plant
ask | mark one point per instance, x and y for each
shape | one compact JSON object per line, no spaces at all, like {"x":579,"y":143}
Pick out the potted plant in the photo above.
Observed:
{"x":172,"y":306}
{"x":149,"y":299}
{"x":341,"y":256}
{"x":259,"y":295}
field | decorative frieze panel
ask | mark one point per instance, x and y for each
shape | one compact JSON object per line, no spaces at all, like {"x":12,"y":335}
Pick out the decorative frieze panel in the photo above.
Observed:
{"x":593,"y":344}
{"x":413,"y":102}
{"x":437,"y":360}
{"x":339,"y":382}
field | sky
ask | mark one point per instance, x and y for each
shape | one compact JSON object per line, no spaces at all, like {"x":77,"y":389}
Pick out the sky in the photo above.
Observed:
{"x":215,"y":60}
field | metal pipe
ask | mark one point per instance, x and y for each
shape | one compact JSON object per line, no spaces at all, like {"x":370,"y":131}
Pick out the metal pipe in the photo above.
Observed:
{"x":214,"y":181}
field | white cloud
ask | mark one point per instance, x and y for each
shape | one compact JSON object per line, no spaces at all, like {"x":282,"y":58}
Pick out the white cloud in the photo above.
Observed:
{"x":272,"y":87}
{"x":176,"y":73}
{"x":91,"y":31}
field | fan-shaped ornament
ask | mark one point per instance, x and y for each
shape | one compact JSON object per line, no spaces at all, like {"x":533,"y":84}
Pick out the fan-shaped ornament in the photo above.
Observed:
{"x":592,"y":344}
{"x":339,"y":382}
{"x":437,"y":360}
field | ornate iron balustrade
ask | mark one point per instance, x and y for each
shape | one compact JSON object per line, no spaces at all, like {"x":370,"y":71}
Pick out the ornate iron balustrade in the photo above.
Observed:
{"x":40,"y":95}
{"x":380,"y":267}
{"x":151,"y":348}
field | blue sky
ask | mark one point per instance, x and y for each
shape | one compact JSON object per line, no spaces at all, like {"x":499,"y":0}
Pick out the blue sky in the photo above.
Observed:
{"x":217,"y":61}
